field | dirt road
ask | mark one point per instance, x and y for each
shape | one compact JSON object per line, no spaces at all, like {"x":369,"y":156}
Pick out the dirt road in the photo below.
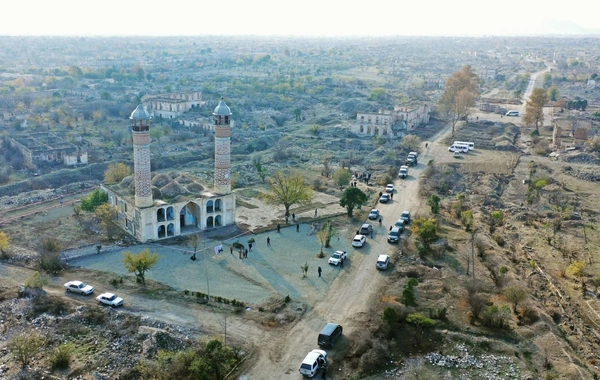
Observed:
{"x":353,"y":294}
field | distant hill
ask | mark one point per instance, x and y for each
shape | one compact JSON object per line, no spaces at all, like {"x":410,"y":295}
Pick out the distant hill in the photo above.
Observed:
{"x":563,"y":27}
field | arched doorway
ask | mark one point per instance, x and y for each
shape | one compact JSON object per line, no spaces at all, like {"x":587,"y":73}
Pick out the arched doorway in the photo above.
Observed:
{"x":210,"y":222}
{"x":218,"y":221}
{"x":162,"y":232}
{"x":189,"y":217}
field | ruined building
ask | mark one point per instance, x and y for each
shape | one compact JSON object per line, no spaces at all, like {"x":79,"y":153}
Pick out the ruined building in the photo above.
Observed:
{"x":47,"y":147}
{"x":153,"y":207}
{"x":172,"y":105}
{"x":391,"y":124}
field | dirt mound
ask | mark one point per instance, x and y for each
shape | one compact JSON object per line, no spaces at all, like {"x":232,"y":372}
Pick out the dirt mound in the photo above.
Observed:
{"x":161,"y":180}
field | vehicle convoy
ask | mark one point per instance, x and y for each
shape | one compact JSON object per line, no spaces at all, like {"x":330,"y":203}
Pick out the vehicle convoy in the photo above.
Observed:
{"x":384,"y":198}
{"x":405,"y":216}
{"x":403,"y":173}
{"x":411,"y":160}
{"x":374,"y":214}
{"x":394,"y":235}
{"x":79,"y":287}
{"x":312,"y":362}
{"x":337,"y":257}
{"x":382,"y":262}
{"x":359,"y":241}
{"x":389,"y":188}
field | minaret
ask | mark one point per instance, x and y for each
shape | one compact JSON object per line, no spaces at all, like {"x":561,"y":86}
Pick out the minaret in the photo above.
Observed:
{"x":222,"y":115}
{"x":140,"y":126}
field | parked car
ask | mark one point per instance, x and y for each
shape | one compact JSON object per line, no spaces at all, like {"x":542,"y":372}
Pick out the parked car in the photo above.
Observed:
{"x":394,"y":235}
{"x":406,"y":217}
{"x":512,"y":113}
{"x":337,"y":257}
{"x":374,"y":214}
{"x":359,"y":241}
{"x":389,"y":188}
{"x":312,"y":362}
{"x":384,"y":198}
{"x":365,"y":229}
{"x":110,"y":299}
{"x":79,"y":287}
{"x":459,"y":148}
{"x":456,"y":154}
{"x":382,"y":262}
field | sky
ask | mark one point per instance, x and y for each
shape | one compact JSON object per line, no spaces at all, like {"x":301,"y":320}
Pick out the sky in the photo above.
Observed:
{"x":294,"y":17}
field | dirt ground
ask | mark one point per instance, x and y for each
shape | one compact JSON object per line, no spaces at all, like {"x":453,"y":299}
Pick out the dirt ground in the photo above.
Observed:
{"x":355,"y":296}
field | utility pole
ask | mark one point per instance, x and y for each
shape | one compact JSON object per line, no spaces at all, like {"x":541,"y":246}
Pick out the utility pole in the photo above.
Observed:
{"x":206,"y":271}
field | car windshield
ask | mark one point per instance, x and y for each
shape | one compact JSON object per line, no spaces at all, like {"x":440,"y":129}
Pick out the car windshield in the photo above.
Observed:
{"x":336,"y":256}
{"x":306,"y":366}
{"x":111,"y":298}
{"x":82,"y":285}
{"x":405,"y":214}
{"x":393,"y":233}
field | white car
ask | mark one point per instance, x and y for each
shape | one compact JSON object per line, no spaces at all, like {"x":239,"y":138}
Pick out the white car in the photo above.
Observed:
{"x":110,"y":299}
{"x":337,"y":257}
{"x":382,"y":262}
{"x":359,"y":241}
{"x":389,"y":188}
{"x":79,"y":287}
{"x":374,"y":214}
{"x":312,"y":362}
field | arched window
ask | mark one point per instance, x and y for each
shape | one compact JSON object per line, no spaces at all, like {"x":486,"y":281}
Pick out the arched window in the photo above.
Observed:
{"x":171,"y":229}
{"x":210,"y":222}
{"x":162,"y":232}
{"x":218,"y":221}
{"x":170,"y":213}
{"x":218,"y":205}
{"x":160,"y":215}
{"x":209,"y":206}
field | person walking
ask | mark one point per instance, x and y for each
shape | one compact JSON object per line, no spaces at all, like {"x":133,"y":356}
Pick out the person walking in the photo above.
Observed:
{"x":278,"y":227}
{"x":268,"y":241}
{"x":426,"y":145}
{"x":371,"y":234}
{"x":293,"y":217}
{"x":316,"y":212}
{"x":319,"y":270}
{"x":245,"y":253}
{"x":342,"y":263}
{"x":380,"y":220}
{"x":250,"y":246}
{"x":231,"y":249}
{"x":391,"y":195}
{"x":297,"y":227}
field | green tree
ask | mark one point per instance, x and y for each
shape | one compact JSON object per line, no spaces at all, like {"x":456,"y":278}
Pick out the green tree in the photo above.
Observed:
{"x":553,"y":93}
{"x":260,"y":168}
{"x":466,"y":218}
{"x":391,"y":316}
{"x":534,"y":108}
{"x":577,"y":268}
{"x":378,"y":94}
{"x":25,"y":346}
{"x":411,"y":143}
{"x":426,"y":232}
{"x":408,"y":293}
{"x":108,"y":214}
{"x":351,"y":198}
{"x":342,"y":177}
{"x":420,"y":320}
{"x":4,"y":243}
{"x":547,"y":80}
{"x":139,"y":264}
{"x":116,"y":172}
{"x":459,"y":95}
{"x":322,"y":238}
{"x":141,"y":74}
{"x":515,"y":294}
{"x":434,"y":203}
{"x":287,"y":190}
{"x":95,"y":199}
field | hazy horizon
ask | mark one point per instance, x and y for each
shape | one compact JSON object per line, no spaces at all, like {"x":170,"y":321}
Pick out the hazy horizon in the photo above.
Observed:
{"x":309,"y":18}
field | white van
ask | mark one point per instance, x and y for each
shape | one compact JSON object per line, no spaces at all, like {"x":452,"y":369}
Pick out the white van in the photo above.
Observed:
{"x":459,"y":148}
{"x":467,"y":143}
{"x":512,"y":113}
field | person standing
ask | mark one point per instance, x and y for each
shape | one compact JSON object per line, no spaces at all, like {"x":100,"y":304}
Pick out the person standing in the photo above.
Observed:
{"x":245,"y":253}
{"x":319,"y":270}
{"x":278,"y":227}
{"x":297,"y":227}
{"x":268,"y":241}
{"x":342,"y":263}
{"x":293,"y":217}
{"x":316,"y":211}
{"x":250,"y":246}
{"x":231,"y":249}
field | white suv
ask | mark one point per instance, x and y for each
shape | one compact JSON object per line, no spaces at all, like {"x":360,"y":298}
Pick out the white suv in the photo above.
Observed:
{"x":312,"y":362}
{"x":382,"y":262}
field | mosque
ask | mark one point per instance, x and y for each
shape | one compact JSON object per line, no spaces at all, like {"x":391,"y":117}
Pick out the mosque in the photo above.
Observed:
{"x":152,"y":207}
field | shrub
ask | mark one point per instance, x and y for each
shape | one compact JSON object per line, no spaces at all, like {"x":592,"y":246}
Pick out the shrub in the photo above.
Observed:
{"x":496,"y":316}
{"x":49,"y":304}
{"x":60,"y":357}
{"x":499,"y":240}
{"x":477,"y":302}
{"x":287,"y":299}
{"x":25,"y":346}
{"x":529,"y":315}
{"x":391,"y":316}
{"x":441,"y":313}
{"x":50,"y":262}
{"x":94,"y":315}
{"x":420,"y":320}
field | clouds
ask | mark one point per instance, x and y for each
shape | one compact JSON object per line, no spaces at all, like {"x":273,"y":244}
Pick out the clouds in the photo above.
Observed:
{"x":270,"y":17}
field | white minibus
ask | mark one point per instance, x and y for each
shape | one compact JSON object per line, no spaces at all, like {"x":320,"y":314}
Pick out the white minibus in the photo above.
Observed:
{"x":469,"y":144}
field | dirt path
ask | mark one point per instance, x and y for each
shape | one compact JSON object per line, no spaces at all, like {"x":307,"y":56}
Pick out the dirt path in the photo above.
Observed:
{"x":353,"y":294}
